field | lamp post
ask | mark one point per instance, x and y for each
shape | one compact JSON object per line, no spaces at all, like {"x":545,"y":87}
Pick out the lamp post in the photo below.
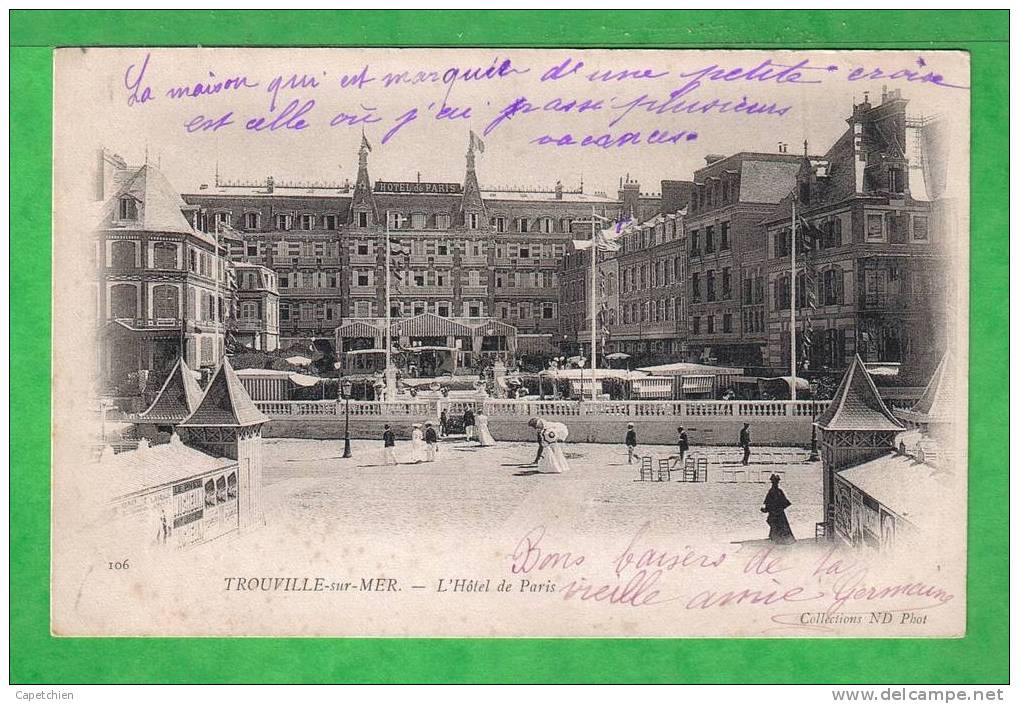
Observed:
{"x":813,"y":420}
{"x":347,"y":388}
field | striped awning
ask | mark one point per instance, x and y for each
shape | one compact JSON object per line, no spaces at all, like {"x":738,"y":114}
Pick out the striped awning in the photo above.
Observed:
{"x":360,"y":328}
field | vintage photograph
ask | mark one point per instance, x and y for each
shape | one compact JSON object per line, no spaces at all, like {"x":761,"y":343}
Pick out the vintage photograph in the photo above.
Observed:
{"x":510,"y":343}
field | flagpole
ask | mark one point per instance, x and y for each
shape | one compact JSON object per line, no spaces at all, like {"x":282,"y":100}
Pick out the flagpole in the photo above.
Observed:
{"x":594,"y":308}
{"x":792,"y":309}
{"x":390,"y":391}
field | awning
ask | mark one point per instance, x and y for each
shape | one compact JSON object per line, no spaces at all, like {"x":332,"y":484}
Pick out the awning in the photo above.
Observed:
{"x":431,"y":348}
{"x":698,"y":384}
{"x":365,"y":352}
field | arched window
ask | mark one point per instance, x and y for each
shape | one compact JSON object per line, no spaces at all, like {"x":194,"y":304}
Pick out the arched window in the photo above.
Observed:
{"x":165,"y":301}
{"x":231,"y":485}
{"x":250,"y":221}
{"x":122,"y":254}
{"x":164,"y":255}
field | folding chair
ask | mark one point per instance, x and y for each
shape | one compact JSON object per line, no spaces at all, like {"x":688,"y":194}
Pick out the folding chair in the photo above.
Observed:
{"x":646,"y":470}
{"x":700,"y":470}
{"x":665,"y":469}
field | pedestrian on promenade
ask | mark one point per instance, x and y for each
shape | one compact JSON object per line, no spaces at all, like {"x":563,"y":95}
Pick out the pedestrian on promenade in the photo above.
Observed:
{"x":553,"y":460}
{"x":417,"y":445}
{"x":431,"y":441}
{"x":631,"y":442}
{"x":537,"y":424}
{"x":485,"y":438}
{"x":775,"y":504}
{"x":684,"y":443}
{"x":469,"y":423}
{"x":443,"y":423}
{"x":388,"y":446}
{"x":744,"y":442}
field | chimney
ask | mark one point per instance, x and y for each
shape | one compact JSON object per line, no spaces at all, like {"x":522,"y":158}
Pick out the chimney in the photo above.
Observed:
{"x":712,"y":158}
{"x":270,"y":184}
{"x":558,"y":190}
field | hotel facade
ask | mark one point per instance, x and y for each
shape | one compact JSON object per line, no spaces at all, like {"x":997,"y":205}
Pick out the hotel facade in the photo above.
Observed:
{"x":460,"y":250}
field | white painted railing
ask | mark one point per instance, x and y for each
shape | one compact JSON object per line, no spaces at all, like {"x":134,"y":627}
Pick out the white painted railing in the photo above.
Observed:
{"x":359,"y":409}
{"x":500,"y":408}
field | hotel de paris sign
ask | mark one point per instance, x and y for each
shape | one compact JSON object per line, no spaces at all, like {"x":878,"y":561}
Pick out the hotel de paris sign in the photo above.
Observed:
{"x":415,"y":187}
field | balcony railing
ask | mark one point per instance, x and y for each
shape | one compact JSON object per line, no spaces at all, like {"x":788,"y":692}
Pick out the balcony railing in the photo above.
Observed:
{"x":497,"y":408}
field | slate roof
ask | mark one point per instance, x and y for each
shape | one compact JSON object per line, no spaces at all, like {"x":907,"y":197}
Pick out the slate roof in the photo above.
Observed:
{"x":160,"y":206}
{"x":177,"y":399}
{"x":226,"y":403}
{"x":766,"y":181}
{"x":857,"y":404}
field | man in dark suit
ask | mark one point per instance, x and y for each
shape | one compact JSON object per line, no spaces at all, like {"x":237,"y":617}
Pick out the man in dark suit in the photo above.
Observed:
{"x":744,"y":442}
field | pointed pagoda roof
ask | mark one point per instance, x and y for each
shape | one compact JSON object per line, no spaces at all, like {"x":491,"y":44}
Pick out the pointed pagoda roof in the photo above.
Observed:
{"x":226,"y":403}
{"x":857,"y":404}
{"x":177,"y":399}
{"x":939,"y":399}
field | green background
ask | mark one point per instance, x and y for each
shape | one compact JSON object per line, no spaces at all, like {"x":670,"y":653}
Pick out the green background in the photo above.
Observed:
{"x":37,"y":657}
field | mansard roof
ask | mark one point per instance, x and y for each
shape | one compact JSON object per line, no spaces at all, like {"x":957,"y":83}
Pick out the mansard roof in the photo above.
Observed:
{"x":226,"y":403}
{"x":177,"y":399}
{"x":857,"y":404}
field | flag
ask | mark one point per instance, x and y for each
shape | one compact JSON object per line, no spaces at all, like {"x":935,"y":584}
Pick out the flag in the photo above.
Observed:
{"x":606,"y":240}
{"x":476,"y":144}
{"x":365,"y":144}
{"x":396,"y":249}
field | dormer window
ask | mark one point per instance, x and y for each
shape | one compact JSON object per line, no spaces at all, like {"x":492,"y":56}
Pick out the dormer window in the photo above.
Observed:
{"x":547,"y":225}
{"x":307,"y":221}
{"x":251,"y":221}
{"x":472,"y":221}
{"x":362,"y":219}
{"x":222,"y":220}
{"x":128,"y":208}
{"x":283,"y":222}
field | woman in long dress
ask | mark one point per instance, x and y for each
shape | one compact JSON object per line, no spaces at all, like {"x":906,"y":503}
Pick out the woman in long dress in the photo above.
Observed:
{"x":775,"y":504}
{"x":553,"y":459}
{"x":417,"y":445}
{"x":485,"y":438}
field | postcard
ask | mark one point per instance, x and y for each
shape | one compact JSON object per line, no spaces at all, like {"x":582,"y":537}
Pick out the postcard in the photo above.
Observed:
{"x":510,"y":342}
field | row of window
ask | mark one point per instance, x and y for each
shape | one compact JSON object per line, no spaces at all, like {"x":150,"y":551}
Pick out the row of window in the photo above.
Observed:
{"x":646,"y":236}
{"x":710,"y":291}
{"x":715,"y":191}
{"x":124,"y":254}
{"x":397,"y":221}
{"x":125,"y":301}
{"x":639,"y":277}
{"x":661,"y":311}
{"x":709,"y":324}
{"x":710,"y":241}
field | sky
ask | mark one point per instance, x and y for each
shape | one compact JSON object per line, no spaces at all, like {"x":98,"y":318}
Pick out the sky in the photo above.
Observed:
{"x":118,"y":99}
